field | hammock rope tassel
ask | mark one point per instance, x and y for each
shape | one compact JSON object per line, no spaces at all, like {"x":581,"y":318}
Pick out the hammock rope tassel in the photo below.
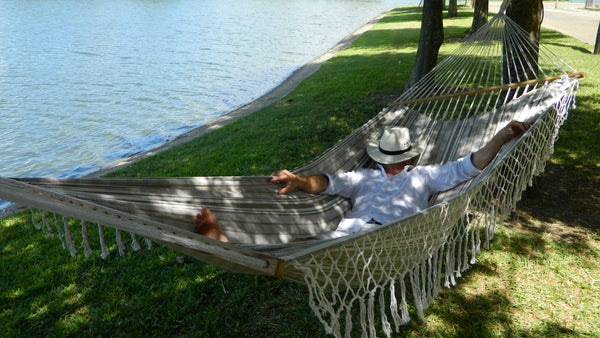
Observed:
{"x":87,"y":250}
{"x":68,"y":240}
{"x":104,"y":253}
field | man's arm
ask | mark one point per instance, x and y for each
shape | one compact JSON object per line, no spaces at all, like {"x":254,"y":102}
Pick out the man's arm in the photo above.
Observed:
{"x":310,"y":184}
{"x":485,"y":155}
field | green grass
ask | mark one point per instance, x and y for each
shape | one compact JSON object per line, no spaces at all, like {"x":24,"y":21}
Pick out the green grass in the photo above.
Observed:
{"x":541,"y":276}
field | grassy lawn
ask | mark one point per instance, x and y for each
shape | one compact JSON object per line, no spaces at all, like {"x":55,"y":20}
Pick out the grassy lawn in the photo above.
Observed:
{"x":541,"y":276}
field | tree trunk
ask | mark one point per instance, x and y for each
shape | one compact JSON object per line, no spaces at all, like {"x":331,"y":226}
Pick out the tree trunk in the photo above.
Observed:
{"x":597,"y":47}
{"x":430,"y":40}
{"x":480,"y":16}
{"x":452,"y":8}
{"x":521,"y":65}
{"x":528,"y":14}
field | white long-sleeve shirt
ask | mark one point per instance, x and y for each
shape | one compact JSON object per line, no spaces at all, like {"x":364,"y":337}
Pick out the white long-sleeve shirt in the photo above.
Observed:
{"x":384,"y":199}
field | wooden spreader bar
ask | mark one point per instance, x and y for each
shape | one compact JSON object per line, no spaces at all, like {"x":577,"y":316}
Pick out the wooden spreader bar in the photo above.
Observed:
{"x":479,"y":91}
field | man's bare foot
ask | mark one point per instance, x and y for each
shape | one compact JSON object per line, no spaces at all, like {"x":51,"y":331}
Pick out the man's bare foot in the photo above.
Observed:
{"x":207,"y":225}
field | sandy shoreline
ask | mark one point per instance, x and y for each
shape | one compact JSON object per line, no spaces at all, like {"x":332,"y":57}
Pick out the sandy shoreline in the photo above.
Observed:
{"x":267,"y":99}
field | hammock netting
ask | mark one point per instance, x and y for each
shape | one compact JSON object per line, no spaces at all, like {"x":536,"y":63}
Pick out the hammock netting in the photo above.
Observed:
{"x":496,"y":75}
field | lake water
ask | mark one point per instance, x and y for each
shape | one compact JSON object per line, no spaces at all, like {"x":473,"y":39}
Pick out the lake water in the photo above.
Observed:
{"x":84,"y":84}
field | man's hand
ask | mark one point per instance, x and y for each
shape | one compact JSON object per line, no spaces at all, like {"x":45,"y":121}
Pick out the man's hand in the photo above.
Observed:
{"x":513,"y":129}
{"x":485,"y":155}
{"x":290,"y":180}
{"x":311,"y":184}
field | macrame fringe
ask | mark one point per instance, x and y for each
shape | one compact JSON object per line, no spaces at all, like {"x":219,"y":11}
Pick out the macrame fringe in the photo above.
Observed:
{"x":59,"y":227}
{"x":87,"y":250}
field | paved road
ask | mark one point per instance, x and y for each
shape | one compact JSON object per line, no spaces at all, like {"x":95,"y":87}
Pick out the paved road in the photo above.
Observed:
{"x":569,"y":18}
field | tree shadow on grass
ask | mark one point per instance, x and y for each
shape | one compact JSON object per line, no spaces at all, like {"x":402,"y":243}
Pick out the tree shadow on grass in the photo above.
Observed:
{"x":560,"y":195}
{"x":485,"y":302}
{"x":483,"y":315}
{"x":554,"y":38}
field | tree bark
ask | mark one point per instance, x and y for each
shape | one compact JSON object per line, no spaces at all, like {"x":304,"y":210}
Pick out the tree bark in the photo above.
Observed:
{"x":522,"y":65}
{"x":597,"y":47}
{"x":452,"y":9}
{"x":528,"y":14}
{"x":430,"y":40}
{"x":480,"y":15}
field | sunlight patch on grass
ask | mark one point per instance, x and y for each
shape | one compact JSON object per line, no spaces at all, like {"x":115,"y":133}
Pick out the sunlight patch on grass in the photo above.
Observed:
{"x":13,"y":220}
{"x":206,"y":277}
{"x":376,"y":52}
{"x":14,"y":294}
{"x":39,"y":310}
{"x":75,"y":320}
{"x":545,"y":279}
{"x":69,"y":294}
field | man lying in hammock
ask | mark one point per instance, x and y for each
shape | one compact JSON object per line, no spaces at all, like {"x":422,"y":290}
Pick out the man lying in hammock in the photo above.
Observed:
{"x":394,"y":189}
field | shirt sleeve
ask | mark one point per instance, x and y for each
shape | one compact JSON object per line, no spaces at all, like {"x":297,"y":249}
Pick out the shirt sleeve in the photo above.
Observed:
{"x":449,"y":175}
{"x":342,"y":184}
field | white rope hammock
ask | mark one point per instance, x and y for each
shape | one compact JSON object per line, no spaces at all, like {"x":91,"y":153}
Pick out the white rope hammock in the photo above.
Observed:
{"x":454,"y":110}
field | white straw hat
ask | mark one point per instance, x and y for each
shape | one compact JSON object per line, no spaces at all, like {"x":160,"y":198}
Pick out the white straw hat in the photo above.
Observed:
{"x":393,"y":147}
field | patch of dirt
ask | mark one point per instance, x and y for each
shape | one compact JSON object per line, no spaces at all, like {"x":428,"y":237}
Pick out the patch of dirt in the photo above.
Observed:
{"x":564,"y":195}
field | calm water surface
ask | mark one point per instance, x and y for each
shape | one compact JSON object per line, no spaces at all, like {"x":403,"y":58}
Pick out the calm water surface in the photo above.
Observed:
{"x":84,"y":84}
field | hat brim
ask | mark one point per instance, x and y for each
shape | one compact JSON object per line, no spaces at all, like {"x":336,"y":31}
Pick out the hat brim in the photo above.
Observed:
{"x":378,"y":156}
